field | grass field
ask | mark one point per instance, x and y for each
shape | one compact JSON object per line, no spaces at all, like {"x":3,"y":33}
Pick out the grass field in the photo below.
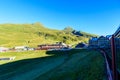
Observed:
{"x":21,"y":55}
{"x":12,"y":35}
{"x":70,"y":65}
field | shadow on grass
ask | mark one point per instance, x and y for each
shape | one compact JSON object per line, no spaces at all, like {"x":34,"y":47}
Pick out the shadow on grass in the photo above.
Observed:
{"x":64,"y":52}
{"x":17,"y":67}
{"x":11,"y":66}
{"x":50,"y":53}
{"x":57,"y":52}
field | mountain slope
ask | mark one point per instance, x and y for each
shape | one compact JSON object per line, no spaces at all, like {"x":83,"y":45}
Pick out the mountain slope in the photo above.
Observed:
{"x":33,"y":34}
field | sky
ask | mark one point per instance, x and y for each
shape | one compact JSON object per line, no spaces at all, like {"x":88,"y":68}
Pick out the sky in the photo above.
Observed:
{"x":100,"y":17}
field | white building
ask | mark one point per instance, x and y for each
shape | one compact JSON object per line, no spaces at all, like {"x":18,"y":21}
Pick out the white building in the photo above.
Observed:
{"x":3,"y":49}
{"x":21,"y":48}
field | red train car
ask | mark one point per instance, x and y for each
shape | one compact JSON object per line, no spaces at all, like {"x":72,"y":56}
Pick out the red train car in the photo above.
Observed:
{"x":50,"y":46}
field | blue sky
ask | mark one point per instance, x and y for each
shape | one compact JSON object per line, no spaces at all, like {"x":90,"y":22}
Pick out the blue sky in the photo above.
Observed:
{"x":100,"y":17}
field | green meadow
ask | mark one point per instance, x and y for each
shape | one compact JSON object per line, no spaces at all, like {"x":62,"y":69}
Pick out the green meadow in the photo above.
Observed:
{"x":21,"y":55}
{"x":80,"y":64}
{"x":33,"y":34}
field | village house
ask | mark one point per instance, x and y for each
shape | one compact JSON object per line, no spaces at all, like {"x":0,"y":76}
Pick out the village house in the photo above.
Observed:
{"x":81,"y":45}
{"x":21,"y":48}
{"x":3,"y":49}
{"x":102,"y":42}
{"x":93,"y":42}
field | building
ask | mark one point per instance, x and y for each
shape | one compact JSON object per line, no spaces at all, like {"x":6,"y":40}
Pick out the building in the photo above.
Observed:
{"x":93,"y":42}
{"x":81,"y":45}
{"x":102,"y":42}
{"x":21,"y":48}
{"x":3,"y":49}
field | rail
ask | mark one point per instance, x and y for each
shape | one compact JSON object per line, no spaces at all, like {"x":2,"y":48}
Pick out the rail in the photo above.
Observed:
{"x":107,"y":61}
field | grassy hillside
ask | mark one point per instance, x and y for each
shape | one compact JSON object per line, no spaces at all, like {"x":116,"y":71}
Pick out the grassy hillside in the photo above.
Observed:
{"x":33,"y":34}
{"x":76,"y":65}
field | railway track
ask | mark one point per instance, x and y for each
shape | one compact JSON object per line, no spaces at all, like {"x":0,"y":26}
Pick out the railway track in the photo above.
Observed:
{"x":108,"y":65}
{"x":108,"y":61}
